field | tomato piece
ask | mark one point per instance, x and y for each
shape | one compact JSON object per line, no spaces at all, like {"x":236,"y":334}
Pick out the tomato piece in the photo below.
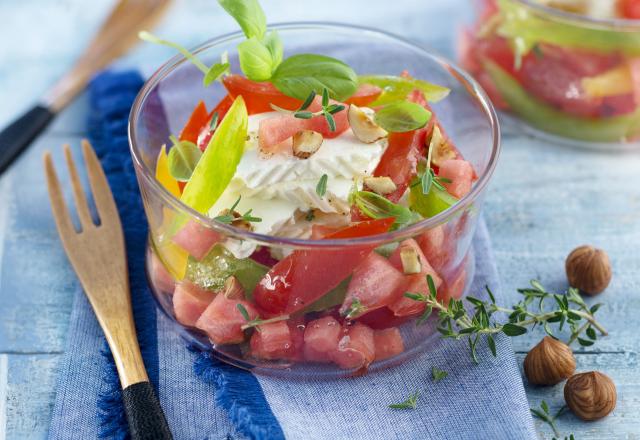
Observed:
{"x":365,"y":95}
{"x":629,"y":8}
{"x":258,"y":96}
{"x":305,"y":275}
{"x":195,"y":124}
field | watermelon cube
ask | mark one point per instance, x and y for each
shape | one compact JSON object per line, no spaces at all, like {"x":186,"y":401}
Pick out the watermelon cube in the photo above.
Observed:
{"x":321,"y":335}
{"x":161,"y":279}
{"x":190,"y":301}
{"x":461,"y":174}
{"x":356,"y":348}
{"x":388,"y":343}
{"x":272,"y":341}
{"x":196,"y":239}
{"x":222,"y":321}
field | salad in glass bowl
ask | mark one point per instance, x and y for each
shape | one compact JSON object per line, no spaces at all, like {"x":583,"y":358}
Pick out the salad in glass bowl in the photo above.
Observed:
{"x":570,"y":68}
{"x":305,"y":211}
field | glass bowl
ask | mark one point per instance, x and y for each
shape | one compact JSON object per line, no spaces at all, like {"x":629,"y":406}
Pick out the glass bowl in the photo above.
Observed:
{"x":573,"y":79}
{"x":162,"y":107}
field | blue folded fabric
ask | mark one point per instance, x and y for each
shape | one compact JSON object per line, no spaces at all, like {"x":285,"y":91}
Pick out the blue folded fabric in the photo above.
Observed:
{"x":204,"y":398}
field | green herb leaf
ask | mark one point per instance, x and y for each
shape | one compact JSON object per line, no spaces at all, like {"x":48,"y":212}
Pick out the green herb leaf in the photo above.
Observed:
{"x":249,"y":15}
{"x":437,"y":374}
{"x":410,"y":403}
{"x":183,"y":159}
{"x":255,"y":60}
{"x":273,"y":42}
{"x":375,"y":206}
{"x":243,"y":311}
{"x":233,"y":216}
{"x":147,"y":36}
{"x":219,"y":162}
{"x":402,"y":116}
{"x":396,"y":88}
{"x":510,"y":329}
{"x":492,"y":345}
{"x":321,"y":187}
{"x":299,"y":75}
{"x":214,"y":73}
{"x":585,"y":342}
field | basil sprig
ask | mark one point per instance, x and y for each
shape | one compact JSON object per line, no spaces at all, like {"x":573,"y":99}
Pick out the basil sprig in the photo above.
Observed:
{"x":249,"y":16}
{"x":375,"y":206}
{"x":183,"y":158}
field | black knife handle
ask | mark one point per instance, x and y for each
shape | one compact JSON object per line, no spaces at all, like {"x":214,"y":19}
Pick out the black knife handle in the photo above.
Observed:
{"x":144,"y":413}
{"x":17,"y":136}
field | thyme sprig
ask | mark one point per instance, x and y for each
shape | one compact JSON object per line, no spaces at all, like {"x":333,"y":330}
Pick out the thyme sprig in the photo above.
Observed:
{"x":327,"y":111}
{"x":410,"y":403}
{"x":229,"y":217}
{"x":356,"y":308}
{"x":437,"y":374}
{"x":455,"y":322}
{"x":257,"y":321}
{"x":544,"y":414}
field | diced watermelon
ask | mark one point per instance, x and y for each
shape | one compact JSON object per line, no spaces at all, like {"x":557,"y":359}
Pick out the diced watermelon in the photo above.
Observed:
{"x":375,"y":283}
{"x":461,"y":174}
{"x":356,"y":347}
{"x":271,"y":341}
{"x":453,"y":287}
{"x":196,"y":239}
{"x":274,"y":131}
{"x":222,"y":321}
{"x":161,"y":279}
{"x":388,"y":343}
{"x":434,"y":246}
{"x":190,"y":301}
{"x":321,"y":335}
{"x":384,"y":318}
{"x":365,"y":95}
{"x":312,"y":355}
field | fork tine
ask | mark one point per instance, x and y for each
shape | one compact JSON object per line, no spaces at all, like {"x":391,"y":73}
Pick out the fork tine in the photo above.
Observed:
{"x":102,"y":195}
{"x":58,"y":206}
{"x":78,"y":191}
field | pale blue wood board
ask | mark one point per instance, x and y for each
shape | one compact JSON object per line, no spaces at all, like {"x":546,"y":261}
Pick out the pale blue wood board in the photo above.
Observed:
{"x":544,"y":201}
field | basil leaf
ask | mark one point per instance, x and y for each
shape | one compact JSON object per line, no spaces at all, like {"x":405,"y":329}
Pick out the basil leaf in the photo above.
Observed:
{"x":299,"y":75}
{"x":375,"y":206}
{"x":219,"y":162}
{"x":274,"y":44}
{"x":183,"y":159}
{"x":214,"y":73}
{"x":249,"y":15}
{"x":396,"y":88}
{"x":403,"y":116}
{"x":255,"y":60}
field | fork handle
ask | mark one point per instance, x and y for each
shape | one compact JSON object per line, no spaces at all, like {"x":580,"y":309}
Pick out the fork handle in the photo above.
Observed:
{"x":144,"y":414}
{"x":18,"y":135}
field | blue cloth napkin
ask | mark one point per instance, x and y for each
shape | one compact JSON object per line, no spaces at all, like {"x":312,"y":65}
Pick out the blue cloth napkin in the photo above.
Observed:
{"x":204,"y":398}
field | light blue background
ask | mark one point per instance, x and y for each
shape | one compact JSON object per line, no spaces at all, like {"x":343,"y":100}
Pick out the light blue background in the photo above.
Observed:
{"x":544,"y":200}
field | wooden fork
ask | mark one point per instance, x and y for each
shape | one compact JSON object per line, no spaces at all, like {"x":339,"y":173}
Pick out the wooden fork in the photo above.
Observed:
{"x":97,"y":254}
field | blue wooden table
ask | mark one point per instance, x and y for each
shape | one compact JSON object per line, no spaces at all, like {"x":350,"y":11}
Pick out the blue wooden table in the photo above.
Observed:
{"x":544,"y":201}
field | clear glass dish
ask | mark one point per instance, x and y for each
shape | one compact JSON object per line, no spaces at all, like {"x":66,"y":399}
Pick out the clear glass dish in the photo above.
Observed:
{"x":166,"y":101}
{"x":571,"y":78}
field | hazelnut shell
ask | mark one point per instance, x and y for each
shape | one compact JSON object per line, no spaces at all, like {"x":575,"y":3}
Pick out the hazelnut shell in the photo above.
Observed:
{"x":591,"y":395}
{"x":549,"y":362}
{"x":588,"y":269}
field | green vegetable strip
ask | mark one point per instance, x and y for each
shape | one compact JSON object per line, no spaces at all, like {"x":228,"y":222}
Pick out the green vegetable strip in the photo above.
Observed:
{"x":396,"y":88}
{"x":545,"y":117}
{"x":219,"y":161}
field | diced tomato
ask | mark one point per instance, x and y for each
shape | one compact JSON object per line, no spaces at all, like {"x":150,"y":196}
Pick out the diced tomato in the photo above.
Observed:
{"x":388,"y":343}
{"x":375,"y":283}
{"x":190,"y":301}
{"x":460,"y":173}
{"x":196,"y":239}
{"x":498,"y":50}
{"x":629,"y":9}
{"x":197,"y":121}
{"x":383,"y":318}
{"x":365,"y":95}
{"x":161,"y":279}
{"x":273,"y":131}
{"x":305,"y":275}
{"x":356,"y":348}
{"x":258,"y":96}
{"x":322,"y":335}
{"x":222,"y":321}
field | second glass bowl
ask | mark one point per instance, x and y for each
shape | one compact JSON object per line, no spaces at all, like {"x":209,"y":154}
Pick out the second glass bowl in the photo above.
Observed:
{"x":184,"y":283}
{"x":575,"y":79}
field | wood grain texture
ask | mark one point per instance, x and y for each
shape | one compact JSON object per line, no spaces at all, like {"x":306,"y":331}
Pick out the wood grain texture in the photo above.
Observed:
{"x":544,"y":199}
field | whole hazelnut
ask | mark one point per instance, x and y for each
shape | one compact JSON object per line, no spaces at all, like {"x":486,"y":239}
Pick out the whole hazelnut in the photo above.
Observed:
{"x":588,"y":269}
{"x":549,"y":362}
{"x":591,"y":396}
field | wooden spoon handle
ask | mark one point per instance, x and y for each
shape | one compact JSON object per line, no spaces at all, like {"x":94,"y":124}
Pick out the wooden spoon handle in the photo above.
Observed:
{"x":144,"y":414}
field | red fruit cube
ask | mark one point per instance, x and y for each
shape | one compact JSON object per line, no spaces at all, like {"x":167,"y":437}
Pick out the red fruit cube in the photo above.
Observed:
{"x":196,"y":239}
{"x":461,"y":174}
{"x":272,"y":341}
{"x":222,"y":320}
{"x":161,"y":279}
{"x":321,"y":335}
{"x":190,"y":301}
{"x":388,"y":343}
{"x":356,"y":347}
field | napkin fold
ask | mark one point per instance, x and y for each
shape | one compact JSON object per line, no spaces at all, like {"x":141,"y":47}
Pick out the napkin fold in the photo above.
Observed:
{"x":204,"y":398}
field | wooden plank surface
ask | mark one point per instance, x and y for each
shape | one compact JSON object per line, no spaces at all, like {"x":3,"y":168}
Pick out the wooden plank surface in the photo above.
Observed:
{"x":544,"y":201}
